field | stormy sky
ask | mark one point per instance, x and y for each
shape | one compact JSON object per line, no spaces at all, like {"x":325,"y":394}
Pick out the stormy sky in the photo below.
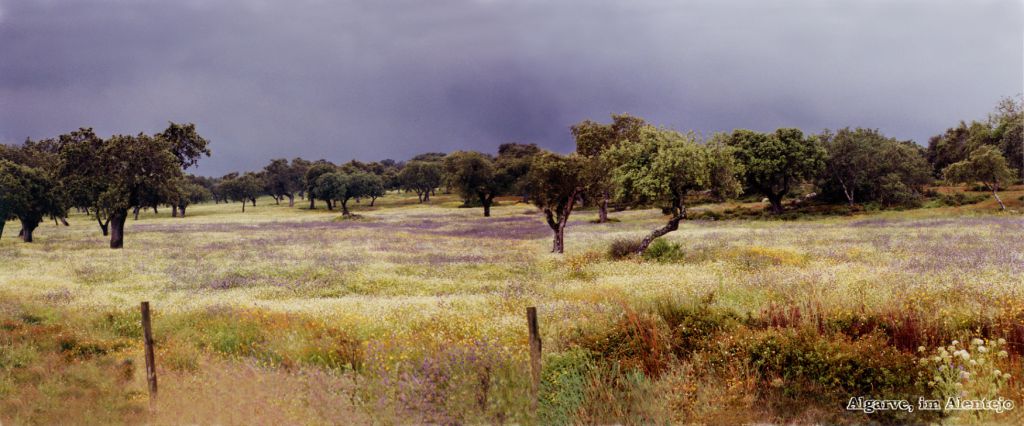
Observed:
{"x":374,"y":79}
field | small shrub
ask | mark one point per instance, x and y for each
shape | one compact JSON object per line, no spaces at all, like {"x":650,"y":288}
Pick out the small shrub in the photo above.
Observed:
{"x":578,"y":264}
{"x":694,"y":327}
{"x":637,"y":341}
{"x":563,"y":386}
{"x":663,"y":251}
{"x":755,"y":257}
{"x":808,"y":364}
{"x":623,"y":248}
{"x":961,"y":199}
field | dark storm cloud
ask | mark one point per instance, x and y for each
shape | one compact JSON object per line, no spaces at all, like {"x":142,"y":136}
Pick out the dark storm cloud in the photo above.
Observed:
{"x":374,"y":79}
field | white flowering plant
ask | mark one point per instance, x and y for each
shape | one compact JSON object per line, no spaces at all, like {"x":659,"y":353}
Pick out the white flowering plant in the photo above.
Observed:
{"x":966,"y":370}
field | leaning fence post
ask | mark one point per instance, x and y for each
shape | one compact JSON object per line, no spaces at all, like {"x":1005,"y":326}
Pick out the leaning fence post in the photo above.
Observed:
{"x":147,"y":332}
{"x":531,"y":321}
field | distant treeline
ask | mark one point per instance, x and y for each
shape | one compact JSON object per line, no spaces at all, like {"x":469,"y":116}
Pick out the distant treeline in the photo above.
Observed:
{"x":625,"y":163}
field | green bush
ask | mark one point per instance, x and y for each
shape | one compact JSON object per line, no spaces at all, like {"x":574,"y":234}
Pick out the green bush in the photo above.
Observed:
{"x":806,"y":364}
{"x":694,"y":327}
{"x":663,"y":251}
{"x":563,"y":386}
{"x":623,"y":248}
{"x":957,"y":199}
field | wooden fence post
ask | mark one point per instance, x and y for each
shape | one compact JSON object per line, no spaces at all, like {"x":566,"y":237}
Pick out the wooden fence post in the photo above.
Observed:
{"x":147,"y":332}
{"x":535,"y":349}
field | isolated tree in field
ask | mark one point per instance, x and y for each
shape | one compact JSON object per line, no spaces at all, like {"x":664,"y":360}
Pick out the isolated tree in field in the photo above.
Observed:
{"x":343,"y":187}
{"x":665,"y":167}
{"x":474,"y":177}
{"x":421,"y":177}
{"x":986,"y":165}
{"x":313,"y":174}
{"x":187,"y":192}
{"x":555,"y":183}
{"x":244,"y":188}
{"x":859,"y":160}
{"x":82,"y":170}
{"x":29,"y":195}
{"x":284,"y":179}
{"x":592,"y":140}
{"x":329,"y":187}
{"x":513,"y":164}
{"x":775,"y":162}
{"x":121,"y":173}
{"x":375,"y":188}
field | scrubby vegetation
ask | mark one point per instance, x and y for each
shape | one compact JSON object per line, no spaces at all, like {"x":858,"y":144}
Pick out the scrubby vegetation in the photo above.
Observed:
{"x":686,"y":307}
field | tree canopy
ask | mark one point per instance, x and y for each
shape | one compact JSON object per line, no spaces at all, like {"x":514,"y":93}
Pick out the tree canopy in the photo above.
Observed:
{"x":775,"y":162}
{"x":986,"y":165}
{"x":664,"y":167}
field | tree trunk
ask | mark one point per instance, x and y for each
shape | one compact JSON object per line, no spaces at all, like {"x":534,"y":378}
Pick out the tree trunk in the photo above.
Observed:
{"x":243,"y":206}
{"x":344,"y":208}
{"x":253,"y":199}
{"x":556,"y":245}
{"x":277,"y":200}
{"x":776,"y":200}
{"x":155,"y":211}
{"x":848,"y":193}
{"x":372,"y":200}
{"x":330,"y":204}
{"x":27,"y":228}
{"x":117,"y":219}
{"x":103,"y":225}
{"x":672,"y":225}
{"x":312,"y":203}
{"x":137,"y":213}
{"x":3,"y":222}
{"x":182,"y":209}
{"x":487,"y":201}
{"x":64,"y":221}
{"x":999,"y":200}
{"x":426,"y":196}
{"x":291,"y":200}
{"x":602,"y":209}
{"x":174,"y":211}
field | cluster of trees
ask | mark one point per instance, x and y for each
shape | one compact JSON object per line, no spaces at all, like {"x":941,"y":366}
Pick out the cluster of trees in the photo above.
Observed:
{"x":105,"y":178}
{"x":626,"y":163}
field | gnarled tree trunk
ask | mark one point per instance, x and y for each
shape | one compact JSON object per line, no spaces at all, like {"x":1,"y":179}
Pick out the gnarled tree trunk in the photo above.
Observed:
{"x":291,"y":200}
{"x":174,"y":210}
{"x":487,"y":200}
{"x":103,"y":225}
{"x":602,"y":209}
{"x":672,"y":225}
{"x":27,"y":228}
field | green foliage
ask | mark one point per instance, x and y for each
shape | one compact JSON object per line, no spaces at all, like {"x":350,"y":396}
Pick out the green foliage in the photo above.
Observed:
{"x":662,"y":166}
{"x":808,"y":364}
{"x":986,"y":165}
{"x":695,"y":326}
{"x":623,"y":248}
{"x":29,"y":195}
{"x":421,"y":177}
{"x":563,"y":386}
{"x":664,"y":251}
{"x":474,"y":176}
{"x":774,"y":163}
{"x":862,"y":165}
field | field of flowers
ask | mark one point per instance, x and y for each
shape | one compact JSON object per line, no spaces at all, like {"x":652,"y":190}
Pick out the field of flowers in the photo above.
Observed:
{"x":415,"y":313}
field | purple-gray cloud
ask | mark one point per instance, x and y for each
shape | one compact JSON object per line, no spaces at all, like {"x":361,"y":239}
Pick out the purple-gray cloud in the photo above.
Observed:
{"x":376,"y":79}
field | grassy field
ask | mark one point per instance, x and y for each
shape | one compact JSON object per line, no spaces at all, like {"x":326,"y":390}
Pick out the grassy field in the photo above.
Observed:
{"x":415,"y":313}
